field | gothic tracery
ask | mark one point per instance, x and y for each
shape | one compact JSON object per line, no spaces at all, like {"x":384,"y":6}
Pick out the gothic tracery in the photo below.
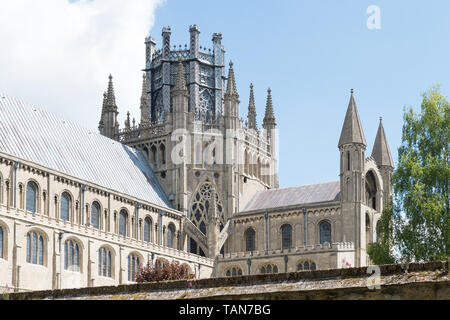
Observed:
{"x":201,"y":207}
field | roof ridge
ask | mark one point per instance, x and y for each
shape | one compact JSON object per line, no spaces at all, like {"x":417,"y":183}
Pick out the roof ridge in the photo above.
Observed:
{"x":39,"y":136}
{"x":305,"y":185}
{"x":56,"y":116}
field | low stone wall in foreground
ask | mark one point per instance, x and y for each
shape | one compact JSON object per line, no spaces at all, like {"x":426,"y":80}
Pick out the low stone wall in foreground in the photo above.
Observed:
{"x":400,"y":281}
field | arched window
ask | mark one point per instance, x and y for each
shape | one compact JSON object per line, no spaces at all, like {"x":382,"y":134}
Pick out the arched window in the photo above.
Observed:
{"x":325,"y":232}
{"x":71,"y":256}
{"x":35,"y":248}
{"x":162,"y":148}
{"x":31,"y":197}
{"x":1,"y":242}
{"x":286,"y":236}
{"x":20,"y":196}
{"x":104,"y":262}
{"x":154,"y":155}
{"x":234,"y":272}
{"x":65,"y":207}
{"x":170,"y":235}
{"x":250,"y":240}
{"x":133,"y":267}
{"x":28,"y":247}
{"x":147,"y":229}
{"x":371,"y":190}
{"x":123,"y":222}
{"x":41,"y":251}
{"x":269,"y":268}
{"x":214,"y":157}
{"x":348,"y":160}
{"x":368,"y":229}
{"x":161,"y":263}
{"x":306,"y":265}
{"x":95,"y":215}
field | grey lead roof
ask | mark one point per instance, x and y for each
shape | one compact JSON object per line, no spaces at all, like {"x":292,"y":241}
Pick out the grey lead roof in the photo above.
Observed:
{"x":269,"y":199}
{"x":40,"y":137}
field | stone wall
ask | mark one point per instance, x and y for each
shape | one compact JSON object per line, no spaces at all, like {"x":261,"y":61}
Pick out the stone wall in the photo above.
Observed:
{"x":409,"y":281}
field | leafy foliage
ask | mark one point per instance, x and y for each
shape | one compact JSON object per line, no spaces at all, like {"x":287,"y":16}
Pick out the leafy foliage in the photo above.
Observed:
{"x":164,"y":272}
{"x":420,"y":217}
{"x":381,"y":252}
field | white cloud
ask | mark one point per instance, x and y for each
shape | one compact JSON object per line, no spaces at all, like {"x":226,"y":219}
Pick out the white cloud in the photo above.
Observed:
{"x":58,"y":54}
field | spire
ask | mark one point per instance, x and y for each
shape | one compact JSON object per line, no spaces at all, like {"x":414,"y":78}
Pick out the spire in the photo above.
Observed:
{"x":269,"y":119}
{"x":381,"y":152}
{"x":252,"y":110}
{"x":127,"y":122}
{"x":111,"y":98}
{"x":180,"y":81}
{"x":144,"y":102}
{"x":352,"y":131}
{"x":101,"y":123}
{"x":231,"y":85}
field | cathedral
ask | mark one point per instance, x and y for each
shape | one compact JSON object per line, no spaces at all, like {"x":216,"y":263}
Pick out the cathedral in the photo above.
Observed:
{"x":189,"y":181}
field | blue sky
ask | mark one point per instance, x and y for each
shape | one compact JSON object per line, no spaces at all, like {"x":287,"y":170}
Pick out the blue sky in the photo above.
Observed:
{"x":311,"y":53}
{"x":58,"y":55}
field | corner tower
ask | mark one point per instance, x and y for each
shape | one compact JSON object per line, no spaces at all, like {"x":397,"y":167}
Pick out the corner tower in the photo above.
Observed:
{"x":352,"y":146}
{"x":382,"y":156}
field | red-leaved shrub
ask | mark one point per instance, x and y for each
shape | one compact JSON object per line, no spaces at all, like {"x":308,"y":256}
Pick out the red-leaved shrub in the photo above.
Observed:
{"x":163,"y":272}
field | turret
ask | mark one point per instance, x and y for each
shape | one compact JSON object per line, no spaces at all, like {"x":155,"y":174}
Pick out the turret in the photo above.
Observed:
{"x":352,"y":146}
{"x":231,"y":101}
{"x":180,"y":97}
{"x":109,"y":126}
{"x":269,"y":118}
{"x":194,"y":40}
{"x":150,"y":44}
{"x":145,"y":115}
{"x":166,"y":33}
{"x":252,"y":110}
{"x":382,"y":155}
{"x":127,"y":121}
{"x":270,"y":125}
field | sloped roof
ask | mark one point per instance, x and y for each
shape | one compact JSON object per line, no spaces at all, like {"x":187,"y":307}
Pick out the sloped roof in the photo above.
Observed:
{"x":270,"y":199}
{"x":381,"y":152}
{"x":352,"y":131}
{"x":40,"y":137}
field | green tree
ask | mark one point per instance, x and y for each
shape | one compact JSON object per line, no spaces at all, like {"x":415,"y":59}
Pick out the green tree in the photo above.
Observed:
{"x":417,"y":223}
{"x":381,"y":252}
{"x":421,"y":180}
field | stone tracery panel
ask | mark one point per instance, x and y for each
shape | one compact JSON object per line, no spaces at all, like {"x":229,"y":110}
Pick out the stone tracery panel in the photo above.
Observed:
{"x":201,"y":205}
